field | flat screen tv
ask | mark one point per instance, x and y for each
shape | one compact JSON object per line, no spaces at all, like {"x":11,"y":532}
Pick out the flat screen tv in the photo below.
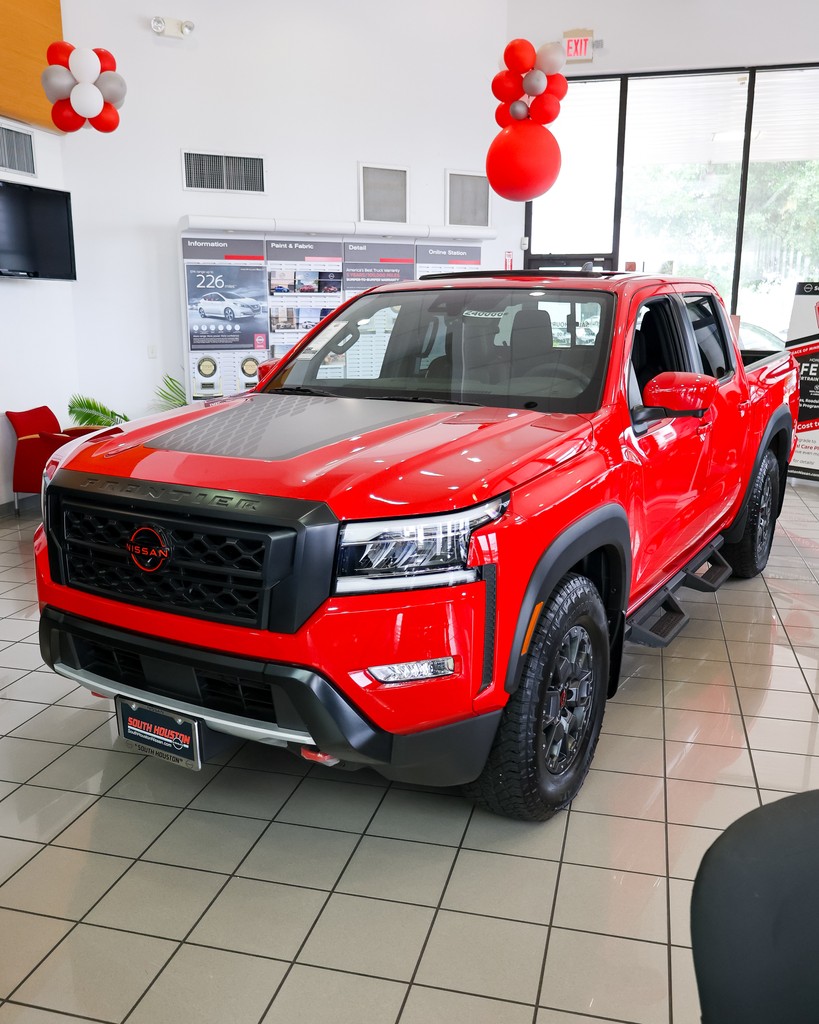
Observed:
{"x":36,"y":235}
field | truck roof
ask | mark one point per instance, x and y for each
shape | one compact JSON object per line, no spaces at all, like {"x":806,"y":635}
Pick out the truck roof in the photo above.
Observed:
{"x":609,"y":281}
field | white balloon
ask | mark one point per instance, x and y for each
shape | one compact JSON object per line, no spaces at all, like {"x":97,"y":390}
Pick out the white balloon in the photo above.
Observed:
{"x":519,"y":110}
{"x":86,"y":99}
{"x":84,"y":65}
{"x":550,"y":58}
{"x":534,"y":82}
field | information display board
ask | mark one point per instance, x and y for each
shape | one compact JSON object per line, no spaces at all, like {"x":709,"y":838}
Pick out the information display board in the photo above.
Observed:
{"x":368,"y":264}
{"x":803,"y":342}
{"x":304,"y":283}
{"x":248,"y":298}
{"x":446,"y":258}
{"x":227,"y":320}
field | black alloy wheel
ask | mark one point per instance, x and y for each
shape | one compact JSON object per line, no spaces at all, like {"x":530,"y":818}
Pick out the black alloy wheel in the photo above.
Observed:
{"x":749,"y":556}
{"x":551,"y":724}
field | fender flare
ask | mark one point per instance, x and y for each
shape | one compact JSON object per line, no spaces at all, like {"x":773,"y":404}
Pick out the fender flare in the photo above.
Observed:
{"x":780,"y":421}
{"x":606,"y":527}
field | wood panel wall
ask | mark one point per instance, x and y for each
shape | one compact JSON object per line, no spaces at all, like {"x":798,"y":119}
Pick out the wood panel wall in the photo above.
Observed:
{"x":27,"y":28}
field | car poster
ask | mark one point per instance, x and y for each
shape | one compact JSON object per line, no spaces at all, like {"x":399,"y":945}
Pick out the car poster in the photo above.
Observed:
{"x":803,"y":343}
{"x":446,"y":258}
{"x":226,"y":303}
{"x":304,"y":284}
{"x":367,"y":264}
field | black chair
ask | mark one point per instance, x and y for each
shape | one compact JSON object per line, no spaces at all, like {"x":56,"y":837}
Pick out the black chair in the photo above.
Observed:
{"x":755,"y":918}
{"x":646,"y":357}
{"x":530,"y":341}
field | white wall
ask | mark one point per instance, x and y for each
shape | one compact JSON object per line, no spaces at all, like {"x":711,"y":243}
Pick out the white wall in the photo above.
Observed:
{"x":668,"y":35}
{"x":312,"y":90}
{"x":38,"y":346}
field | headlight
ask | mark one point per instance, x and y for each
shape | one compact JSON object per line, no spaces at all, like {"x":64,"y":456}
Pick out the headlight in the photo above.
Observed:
{"x":402,"y":554}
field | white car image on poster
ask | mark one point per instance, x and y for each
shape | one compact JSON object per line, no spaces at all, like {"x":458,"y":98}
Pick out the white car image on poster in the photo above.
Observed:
{"x":227,"y":306}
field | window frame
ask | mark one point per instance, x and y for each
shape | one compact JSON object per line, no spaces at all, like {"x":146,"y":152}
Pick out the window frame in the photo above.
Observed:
{"x":719,"y":321}
{"x":612,"y":259}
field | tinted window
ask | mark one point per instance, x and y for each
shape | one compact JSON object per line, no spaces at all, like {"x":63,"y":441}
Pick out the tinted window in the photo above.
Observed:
{"x":541,"y":349}
{"x":709,"y":333}
{"x":656,"y":347}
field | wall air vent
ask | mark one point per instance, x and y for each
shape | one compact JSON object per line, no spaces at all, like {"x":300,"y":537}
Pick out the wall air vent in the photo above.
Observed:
{"x":383,"y":194}
{"x":218,"y":173}
{"x":16,"y":151}
{"x":467,"y":199}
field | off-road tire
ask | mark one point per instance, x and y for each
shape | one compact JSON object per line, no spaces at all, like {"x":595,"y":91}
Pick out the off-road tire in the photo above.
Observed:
{"x":749,"y":556}
{"x":523,"y":777}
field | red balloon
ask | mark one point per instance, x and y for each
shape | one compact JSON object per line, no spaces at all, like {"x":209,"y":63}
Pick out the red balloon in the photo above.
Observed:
{"x":503,"y":115}
{"x":544,"y":108}
{"x":65,"y":117}
{"x":523,"y":161}
{"x":107,"y":119}
{"x":557,"y":85}
{"x":507,"y":86}
{"x":107,"y":61}
{"x":519,"y":56}
{"x":59,"y":52}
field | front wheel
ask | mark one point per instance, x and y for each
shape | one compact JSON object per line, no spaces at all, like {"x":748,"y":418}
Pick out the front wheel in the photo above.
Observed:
{"x":550,"y":726}
{"x":229,"y":314}
{"x":749,"y":556}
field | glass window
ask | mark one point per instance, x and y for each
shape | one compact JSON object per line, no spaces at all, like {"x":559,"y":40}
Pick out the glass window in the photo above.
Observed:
{"x":544,"y":349}
{"x":681,"y":175}
{"x":657,"y":347}
{"x":709,"y":332}
{"x":576,"y":215}
{"x":781,"y":237}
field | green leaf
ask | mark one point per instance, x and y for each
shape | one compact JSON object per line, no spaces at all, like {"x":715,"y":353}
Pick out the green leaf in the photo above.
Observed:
{"x":88,"y":412}
{"x":171,"y":393}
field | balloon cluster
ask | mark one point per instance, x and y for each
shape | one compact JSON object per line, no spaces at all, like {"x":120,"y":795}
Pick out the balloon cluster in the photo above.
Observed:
{"x":524,"y":159}
{"x":83,"y":85}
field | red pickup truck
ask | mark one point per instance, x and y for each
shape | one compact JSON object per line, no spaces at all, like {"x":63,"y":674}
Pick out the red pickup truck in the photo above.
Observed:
{"x":421,"y":542}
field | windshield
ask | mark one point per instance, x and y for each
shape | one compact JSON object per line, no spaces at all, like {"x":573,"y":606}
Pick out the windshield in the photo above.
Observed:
{"x":543,"y":349}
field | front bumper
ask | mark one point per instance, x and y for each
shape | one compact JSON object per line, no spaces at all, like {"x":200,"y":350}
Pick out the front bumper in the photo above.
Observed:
{"x":266,"y":701}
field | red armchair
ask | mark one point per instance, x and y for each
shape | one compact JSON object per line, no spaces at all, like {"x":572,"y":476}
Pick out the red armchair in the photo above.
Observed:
{"x":38,"y":435}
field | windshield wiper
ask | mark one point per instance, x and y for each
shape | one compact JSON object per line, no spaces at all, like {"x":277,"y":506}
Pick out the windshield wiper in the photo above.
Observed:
{"x":303,"y":389}
{"x":423,"y":398}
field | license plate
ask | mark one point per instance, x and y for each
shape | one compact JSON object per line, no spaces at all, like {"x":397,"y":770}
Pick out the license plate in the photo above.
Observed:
{"x":161,"y":733}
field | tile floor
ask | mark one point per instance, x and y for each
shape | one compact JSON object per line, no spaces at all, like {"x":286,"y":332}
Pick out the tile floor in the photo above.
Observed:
{"x":259,"y":890}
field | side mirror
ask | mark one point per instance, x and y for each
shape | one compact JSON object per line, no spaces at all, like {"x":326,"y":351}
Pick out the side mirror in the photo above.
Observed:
{"x":681,"y":394}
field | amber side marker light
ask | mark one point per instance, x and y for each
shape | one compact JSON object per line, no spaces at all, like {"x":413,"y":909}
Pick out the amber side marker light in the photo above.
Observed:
{"x":532,"y":623}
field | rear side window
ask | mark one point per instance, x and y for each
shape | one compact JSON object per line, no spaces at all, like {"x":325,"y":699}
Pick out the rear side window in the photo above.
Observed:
{"x":709,"y":333}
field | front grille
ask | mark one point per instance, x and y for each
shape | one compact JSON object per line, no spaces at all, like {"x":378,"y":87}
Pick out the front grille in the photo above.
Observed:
{"x":228,"y":692}
{"x":214,"y":571}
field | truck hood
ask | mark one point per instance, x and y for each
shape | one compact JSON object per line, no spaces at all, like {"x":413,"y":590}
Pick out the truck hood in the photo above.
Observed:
{"x":366,"y":458}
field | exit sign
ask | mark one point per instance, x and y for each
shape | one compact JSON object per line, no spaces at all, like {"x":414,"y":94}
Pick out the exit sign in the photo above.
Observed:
{"x":578,"y":44}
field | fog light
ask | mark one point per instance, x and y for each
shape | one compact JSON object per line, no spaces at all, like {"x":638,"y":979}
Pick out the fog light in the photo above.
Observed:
{"x":408,"y":671}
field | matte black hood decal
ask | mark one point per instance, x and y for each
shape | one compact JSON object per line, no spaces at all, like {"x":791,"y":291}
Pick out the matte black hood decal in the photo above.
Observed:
{"x":275,"y":427}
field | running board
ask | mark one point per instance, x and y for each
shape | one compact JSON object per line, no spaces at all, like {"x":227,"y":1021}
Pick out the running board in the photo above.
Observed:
{"x":715,"y":575}
{"x":662,"y":618}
